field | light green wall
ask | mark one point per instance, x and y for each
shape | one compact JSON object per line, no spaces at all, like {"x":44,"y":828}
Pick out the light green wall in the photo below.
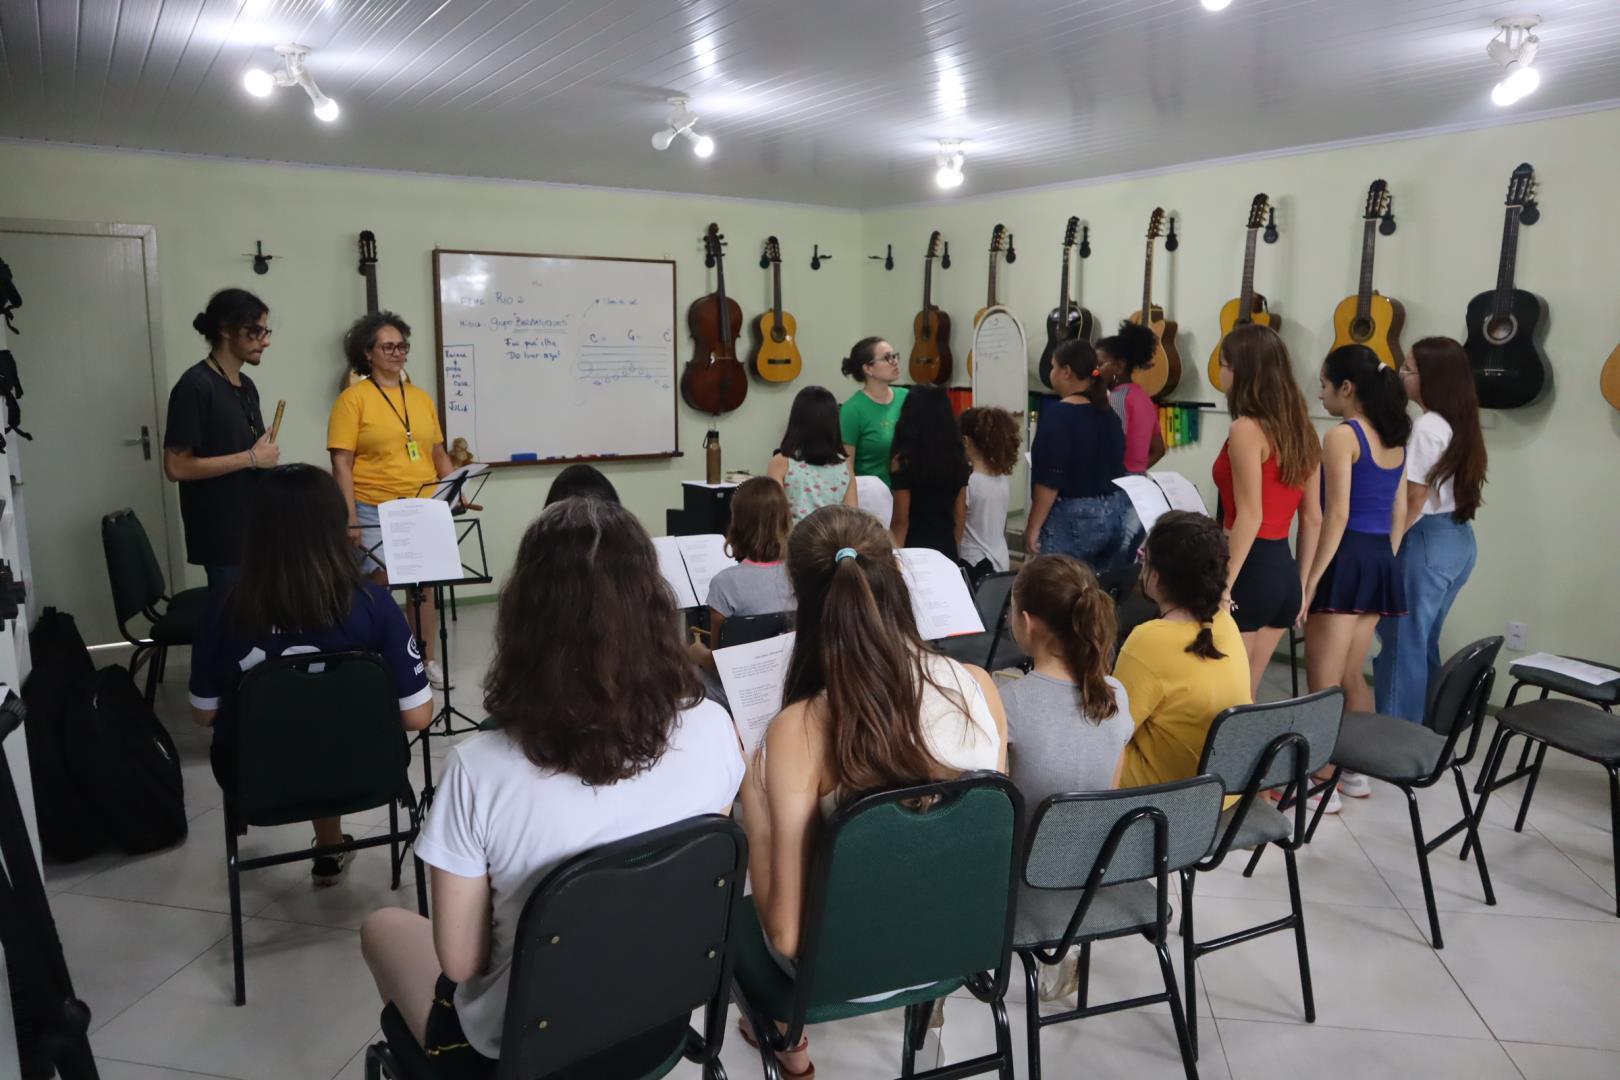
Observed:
{"x":1547,"y":535}
{"x":1552,"y":517}
{"x":208,"y":212}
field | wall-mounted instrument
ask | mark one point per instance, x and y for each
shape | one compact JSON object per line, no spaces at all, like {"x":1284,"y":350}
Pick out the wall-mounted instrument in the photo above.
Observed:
{"x":1069,"y":319}
{"x":776,"y":358}
{"x":1165,"y":372}
{"x":714,"y":380}
{"x":1250,"y":306}
{"x":1610,"y":379}
{"x":931,"y":329}
{"x":1370,"y":318}
{"x":1503,"y":324}
{"x":368,"y":270}
{"x":998,"y":239}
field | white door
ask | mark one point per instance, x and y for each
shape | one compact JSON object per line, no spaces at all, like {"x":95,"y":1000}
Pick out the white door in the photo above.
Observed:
{"x":85,"y":355}
{"x":1001,"y":377}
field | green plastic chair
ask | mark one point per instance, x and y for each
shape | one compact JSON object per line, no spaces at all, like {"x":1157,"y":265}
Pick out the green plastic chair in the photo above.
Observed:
{"x":138,"y":589}
{"x":911,"y":887}
{"x":315,"y":735}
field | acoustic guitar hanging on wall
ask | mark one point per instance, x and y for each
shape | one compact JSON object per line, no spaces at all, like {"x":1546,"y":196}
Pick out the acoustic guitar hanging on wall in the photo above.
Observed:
{"x":776,"y":356}
{"x":1250,"y":306}
{"x":1164,"y":373}
{"x":1503,"y":324}
{"x":931,"y":330}
{"x":1069,"y":320}
{"x":1370,"y":318}
{"x":714,"y":380}
{"x":998,"y":238}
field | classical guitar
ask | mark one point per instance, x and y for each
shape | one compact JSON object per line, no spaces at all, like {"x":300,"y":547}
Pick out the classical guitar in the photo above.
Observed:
{"x":1165,"y":372}
{"x":1370,"y":318}
{"x":776,"y":357}
{"x":1509,"y":370}
{"x":1609,"y":381}
{"x":714,"y":380}
{"x":1250,"y":306}
{"x":998,"y":237}
{"x":1069,"y":319}
{"x":368,"y":270}
{"x":931,"y":330}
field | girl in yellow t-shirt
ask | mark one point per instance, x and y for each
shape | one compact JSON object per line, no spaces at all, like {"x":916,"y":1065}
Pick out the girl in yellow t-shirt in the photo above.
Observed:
{"x":385,"y":442}
{"x":1183,"y":668}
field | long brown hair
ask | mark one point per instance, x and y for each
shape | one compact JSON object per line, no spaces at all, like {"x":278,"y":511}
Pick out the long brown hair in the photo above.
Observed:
{"x":760,"y":520}
{"x":994,"y":433}
{"x":299,"y":571}
{"x":1063,"y":593}
{"x":1448,"y":389}
{"x":1264,"y":390}
{"x":1187,"y":553}
{"x":858,"y":645}
{"x":589,"y":674}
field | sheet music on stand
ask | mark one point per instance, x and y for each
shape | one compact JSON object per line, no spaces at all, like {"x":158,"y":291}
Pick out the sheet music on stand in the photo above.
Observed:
{"x":1156,"y":493}
{"x":689,"y":564}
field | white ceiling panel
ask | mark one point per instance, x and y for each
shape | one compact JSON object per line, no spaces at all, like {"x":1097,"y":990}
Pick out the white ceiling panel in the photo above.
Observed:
{"x":835,"y":102}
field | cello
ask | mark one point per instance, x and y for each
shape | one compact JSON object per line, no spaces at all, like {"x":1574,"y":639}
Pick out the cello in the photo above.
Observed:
{"x":714,"y":381}
{"x":368,"y":270}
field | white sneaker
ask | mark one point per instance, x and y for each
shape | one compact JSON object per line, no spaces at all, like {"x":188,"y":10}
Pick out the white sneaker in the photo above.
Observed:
{"x":1333,"y":806}
{"x":1058,"y":982}
{"x":435,"y":675}
{"x":1353,"y":785}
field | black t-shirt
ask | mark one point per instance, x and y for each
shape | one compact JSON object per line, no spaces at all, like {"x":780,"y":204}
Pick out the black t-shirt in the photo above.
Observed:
{"x":1079,"y":450}
{"x":211,"y":418}
{"x":931,"y":521}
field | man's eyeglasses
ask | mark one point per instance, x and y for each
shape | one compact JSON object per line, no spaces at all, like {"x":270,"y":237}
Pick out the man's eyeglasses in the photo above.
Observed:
{"x":256,"y":333}
{"x":395,"y":348}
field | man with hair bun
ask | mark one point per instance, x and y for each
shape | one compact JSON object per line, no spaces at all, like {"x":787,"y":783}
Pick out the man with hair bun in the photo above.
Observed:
{"x":215,"y":435}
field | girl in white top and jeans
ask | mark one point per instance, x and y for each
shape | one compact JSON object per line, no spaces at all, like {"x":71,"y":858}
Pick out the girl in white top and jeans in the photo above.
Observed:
{"x":573,"y":765}
{"x":1445,"y":470}
{"x":867,"y":706}
{"x":990,"y":436}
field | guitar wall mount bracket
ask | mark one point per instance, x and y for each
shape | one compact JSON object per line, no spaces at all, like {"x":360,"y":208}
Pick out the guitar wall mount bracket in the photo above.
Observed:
{"x":1172,"y":241}
{"x":816,"y":257}
{"x":1270,"y":235}
{"x":945,"y":260}
{"x":1386,"y":224}
{"x":1012,"y":253}
{"x":261,"y":261}
{"x":888,"y":260}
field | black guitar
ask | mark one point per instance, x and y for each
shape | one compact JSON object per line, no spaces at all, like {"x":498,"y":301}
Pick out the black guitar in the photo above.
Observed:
{"x":1069,"y":319}
{"x":1504,"y":324}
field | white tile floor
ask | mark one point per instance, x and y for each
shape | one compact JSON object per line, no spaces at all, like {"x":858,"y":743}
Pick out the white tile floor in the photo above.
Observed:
{"x":1523,"y":989}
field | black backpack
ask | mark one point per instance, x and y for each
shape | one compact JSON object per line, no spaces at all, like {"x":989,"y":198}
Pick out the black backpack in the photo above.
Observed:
{"x":120,"y":764}
{"x":57,"y":687}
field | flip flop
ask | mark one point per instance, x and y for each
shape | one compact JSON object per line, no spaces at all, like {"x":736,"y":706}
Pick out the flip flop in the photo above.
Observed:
{"x":747,"y":1034}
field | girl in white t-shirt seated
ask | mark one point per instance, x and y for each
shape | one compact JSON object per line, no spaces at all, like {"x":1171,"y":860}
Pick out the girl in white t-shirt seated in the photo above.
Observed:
{"x":603,"y":734}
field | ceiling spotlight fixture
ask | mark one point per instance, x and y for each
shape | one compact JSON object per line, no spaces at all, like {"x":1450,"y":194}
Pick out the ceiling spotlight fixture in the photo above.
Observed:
{"x":948,"y":160}
{"x":681,"y":122}
{"x":292,"y":72}
{"x":1514,"y":48}
{"x":1217,"y":5}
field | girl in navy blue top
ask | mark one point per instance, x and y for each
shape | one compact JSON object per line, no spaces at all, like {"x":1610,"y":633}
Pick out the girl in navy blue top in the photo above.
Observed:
{"x":299,"y":591}
{"x":1354,"y":578}
{"x":1079,"y":450}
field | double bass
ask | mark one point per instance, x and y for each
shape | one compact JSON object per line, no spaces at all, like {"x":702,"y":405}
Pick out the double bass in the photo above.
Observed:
{"x":931,"y":350}
{"x":714,"y":381}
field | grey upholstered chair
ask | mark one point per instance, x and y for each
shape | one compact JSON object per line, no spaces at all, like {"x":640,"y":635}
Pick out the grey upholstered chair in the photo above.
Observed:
{"x":1252,"y":749}
{"x":1097,"y":866}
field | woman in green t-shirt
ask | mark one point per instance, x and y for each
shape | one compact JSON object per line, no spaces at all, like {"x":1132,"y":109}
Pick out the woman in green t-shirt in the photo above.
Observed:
{"x":867,"y":418}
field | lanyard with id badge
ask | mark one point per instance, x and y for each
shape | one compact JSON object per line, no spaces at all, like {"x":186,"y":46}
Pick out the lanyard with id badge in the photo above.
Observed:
{"x":412,"y":450}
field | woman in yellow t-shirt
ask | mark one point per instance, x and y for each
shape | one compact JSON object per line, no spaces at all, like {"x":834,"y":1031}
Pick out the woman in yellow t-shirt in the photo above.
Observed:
{"x":1183,"y":668}
{"x":385,"y":442}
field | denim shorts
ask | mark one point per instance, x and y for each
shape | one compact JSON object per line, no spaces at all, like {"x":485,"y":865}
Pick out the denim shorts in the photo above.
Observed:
{"x":1098,"y":531}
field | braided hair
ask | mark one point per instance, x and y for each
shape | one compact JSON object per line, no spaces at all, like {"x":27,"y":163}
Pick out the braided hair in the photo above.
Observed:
{"x":1187,"y":553}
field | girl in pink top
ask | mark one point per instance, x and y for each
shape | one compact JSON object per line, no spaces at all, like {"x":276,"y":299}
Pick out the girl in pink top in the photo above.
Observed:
{"x":1119,"y":358}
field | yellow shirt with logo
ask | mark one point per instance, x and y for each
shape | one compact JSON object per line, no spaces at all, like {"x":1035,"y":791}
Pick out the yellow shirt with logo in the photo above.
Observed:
{"x":372,"y":428}
{"x":1176,"y":695}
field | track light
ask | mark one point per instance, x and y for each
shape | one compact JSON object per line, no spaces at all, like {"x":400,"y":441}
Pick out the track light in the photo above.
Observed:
{"x":681,"y":122}
{"x":948,"y":161}
{"x":1514,"y":48}
{"x":292,"y":72}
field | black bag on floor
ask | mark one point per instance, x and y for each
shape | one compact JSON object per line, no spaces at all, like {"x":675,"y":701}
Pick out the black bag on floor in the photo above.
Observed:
{"x":57,"y":694}
{"x":130,"y":768}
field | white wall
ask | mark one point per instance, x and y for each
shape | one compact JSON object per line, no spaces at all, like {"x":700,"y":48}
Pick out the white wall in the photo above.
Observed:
{"x":1548,"y":532}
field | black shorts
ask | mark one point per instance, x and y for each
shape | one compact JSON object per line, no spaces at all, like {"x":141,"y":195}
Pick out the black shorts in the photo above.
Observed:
{"x":1267,"y":593}
{"x":446,"y":1044}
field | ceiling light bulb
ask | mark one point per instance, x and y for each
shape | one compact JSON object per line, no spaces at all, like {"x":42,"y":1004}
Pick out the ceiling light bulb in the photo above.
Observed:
{"x":1217,"y":5}
{"x":703,"y":146}
{"x":258,"y":82}
{"x":326,"y":109}
{"x":662,"y":139}
{"x":1519,"y":82}
{"x":948,"y":178}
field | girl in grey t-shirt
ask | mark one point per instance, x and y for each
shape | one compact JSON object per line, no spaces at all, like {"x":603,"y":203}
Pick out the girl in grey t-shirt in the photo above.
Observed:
{"x":1068,"y":720}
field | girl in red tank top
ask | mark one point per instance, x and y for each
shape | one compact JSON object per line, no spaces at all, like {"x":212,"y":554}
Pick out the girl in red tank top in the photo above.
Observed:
{"x":1267,"y":473}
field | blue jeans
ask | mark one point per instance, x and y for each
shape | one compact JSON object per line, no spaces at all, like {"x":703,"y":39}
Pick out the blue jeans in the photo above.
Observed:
{"x":1098,"y":531}
{"x":1435,"y":559}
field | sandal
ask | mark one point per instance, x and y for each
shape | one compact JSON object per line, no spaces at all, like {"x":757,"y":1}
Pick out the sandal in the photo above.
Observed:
{"x":747,"y":1033}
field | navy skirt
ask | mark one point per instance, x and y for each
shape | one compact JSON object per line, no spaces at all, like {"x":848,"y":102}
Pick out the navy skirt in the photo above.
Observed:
{"x":1362,"y":579}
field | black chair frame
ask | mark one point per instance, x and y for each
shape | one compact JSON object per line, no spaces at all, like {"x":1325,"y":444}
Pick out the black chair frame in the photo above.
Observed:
{"x":235,"y":865}
{"x":988,"y":987}
{"x":411,"y":1063}
{"x":1158,"y":934}
{"x":1474,"y":707}
{"x":1497,"y":753}
{"x":1295,"y":744}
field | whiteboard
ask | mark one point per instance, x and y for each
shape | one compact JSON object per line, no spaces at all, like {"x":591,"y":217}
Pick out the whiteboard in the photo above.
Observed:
{"x":1001,"y":372}
{"x":549,"y":358}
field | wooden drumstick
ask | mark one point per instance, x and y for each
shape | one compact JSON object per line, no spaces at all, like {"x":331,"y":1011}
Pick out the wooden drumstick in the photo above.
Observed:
{"x":275,"y":425}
